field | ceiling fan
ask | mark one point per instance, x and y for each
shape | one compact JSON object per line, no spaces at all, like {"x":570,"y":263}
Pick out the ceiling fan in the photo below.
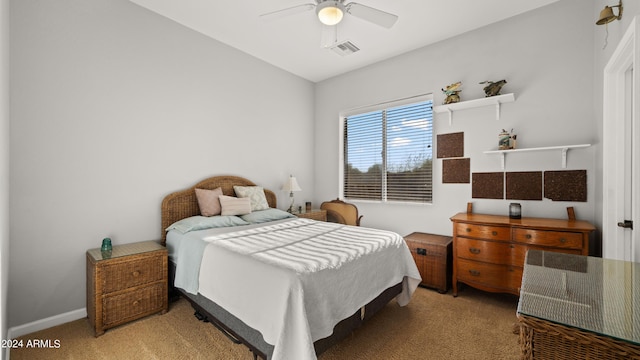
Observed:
{"x":331,"y":12}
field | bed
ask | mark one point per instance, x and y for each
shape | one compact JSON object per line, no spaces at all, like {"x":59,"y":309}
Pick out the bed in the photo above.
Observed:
{"x":285,"y":287}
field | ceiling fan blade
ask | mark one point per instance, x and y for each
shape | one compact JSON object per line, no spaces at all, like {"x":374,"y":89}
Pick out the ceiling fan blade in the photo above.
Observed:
{"x":288,"y":11}
{"x":372,"y":15}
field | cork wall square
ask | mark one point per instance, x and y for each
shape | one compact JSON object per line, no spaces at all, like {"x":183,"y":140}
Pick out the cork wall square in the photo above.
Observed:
{"x":565,"y":185}
{"x":524,"y":185}
{"x":450,"y":145}
{"x":456,"y":171}
{"x":487,"y":185}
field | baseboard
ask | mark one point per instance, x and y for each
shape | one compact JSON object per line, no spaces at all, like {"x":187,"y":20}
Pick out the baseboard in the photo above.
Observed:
{"x":42,"y":324}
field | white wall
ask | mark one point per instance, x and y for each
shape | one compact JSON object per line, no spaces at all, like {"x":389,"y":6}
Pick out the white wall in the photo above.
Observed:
{"x":4,"y":165}
{"x":114,"y":107}
{"x":547,"y":58}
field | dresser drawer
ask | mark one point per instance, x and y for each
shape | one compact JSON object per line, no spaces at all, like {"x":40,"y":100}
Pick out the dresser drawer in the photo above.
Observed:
{"x":123,"y":275}
{"x":483,"y":231}
{"x":519,"y":252}
{"x":495,"y":276}
{"x":486,"y":251}
{"x":561,"y":239}
{"x":133,"y":304}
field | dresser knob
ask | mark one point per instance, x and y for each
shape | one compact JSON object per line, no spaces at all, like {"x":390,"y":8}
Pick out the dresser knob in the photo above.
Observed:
{"x":135,"y":273}
{"x":563,"y":240}
{"x":474,"y":250}
{"x":135,"y":303}
{"x":474,"y":272}
{"x":528,"y":236}
{"x":494,"y":233}
{"x":468,"y":230}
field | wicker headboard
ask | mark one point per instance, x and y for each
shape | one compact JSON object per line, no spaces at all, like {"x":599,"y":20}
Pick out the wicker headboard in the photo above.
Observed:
{"x":183,"y":204}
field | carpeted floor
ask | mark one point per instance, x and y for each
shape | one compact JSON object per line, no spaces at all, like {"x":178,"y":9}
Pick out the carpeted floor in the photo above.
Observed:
{"x":475,"y":325}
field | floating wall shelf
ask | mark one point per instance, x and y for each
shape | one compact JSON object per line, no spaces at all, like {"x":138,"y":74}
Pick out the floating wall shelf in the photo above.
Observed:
{"x":562,"y":148}
{"x":487,"y":101}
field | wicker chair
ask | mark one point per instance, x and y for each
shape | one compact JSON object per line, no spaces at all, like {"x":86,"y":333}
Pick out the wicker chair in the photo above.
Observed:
{"x":341,"y":212}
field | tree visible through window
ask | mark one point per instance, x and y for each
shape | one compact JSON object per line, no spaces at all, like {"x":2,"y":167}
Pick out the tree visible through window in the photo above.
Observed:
{"x":388,"y":153}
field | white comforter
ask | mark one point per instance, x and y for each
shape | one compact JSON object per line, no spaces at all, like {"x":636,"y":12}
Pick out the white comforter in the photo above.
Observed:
{"x":295,"y":280}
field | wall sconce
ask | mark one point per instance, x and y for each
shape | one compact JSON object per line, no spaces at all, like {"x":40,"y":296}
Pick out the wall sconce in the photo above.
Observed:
{"x":607,"y":16}
{"x":291,"y":185}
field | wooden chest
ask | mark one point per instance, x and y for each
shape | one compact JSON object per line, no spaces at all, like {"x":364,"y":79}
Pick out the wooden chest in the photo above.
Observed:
{"x":125,"y":284}
{"x":489,"y":250}
{"x":432,"y":254}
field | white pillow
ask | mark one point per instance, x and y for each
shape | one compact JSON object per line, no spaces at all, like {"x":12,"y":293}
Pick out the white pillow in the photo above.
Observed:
{"x":255,"y":193}
{"x":235,"y":206}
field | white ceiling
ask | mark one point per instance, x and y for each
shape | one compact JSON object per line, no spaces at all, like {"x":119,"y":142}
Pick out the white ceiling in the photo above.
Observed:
{"x":293,"y":42}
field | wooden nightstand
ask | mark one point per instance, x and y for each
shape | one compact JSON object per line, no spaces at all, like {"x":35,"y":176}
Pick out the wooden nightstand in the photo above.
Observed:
{"x":432,"y":254}
{"x":126,"y":285}
{"x":320,"y":215}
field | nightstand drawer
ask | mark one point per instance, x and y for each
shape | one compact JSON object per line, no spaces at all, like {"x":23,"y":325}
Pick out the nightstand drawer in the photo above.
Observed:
{"x":320,"y":215}
{"x":133,"y":304}
{"x":123,"y":275}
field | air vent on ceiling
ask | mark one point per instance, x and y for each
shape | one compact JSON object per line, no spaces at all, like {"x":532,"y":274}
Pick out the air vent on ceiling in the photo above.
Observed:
{"x":345,"y":48}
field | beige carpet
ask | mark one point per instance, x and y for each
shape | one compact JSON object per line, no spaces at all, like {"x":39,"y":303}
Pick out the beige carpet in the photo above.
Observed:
{"x":475,"y":325}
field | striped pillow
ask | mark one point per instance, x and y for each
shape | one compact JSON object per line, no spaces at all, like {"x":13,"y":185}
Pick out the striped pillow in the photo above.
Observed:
{"x":234,"y":206}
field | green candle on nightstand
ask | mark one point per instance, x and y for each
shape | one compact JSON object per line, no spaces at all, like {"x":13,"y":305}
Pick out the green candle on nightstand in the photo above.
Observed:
{"x":106,"y":248}
{"x":106,"y":244}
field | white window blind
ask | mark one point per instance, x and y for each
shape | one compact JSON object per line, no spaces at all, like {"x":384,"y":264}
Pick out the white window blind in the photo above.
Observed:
{"x":388,"y":153}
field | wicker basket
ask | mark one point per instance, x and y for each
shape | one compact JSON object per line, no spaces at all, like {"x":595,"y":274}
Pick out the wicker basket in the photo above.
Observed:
{"x":540,"y":339}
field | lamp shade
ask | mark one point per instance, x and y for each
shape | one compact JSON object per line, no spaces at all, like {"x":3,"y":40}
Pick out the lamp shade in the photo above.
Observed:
{"x":606,"y":16}
{"x":291,"y":185}
{"x":330,"y":12}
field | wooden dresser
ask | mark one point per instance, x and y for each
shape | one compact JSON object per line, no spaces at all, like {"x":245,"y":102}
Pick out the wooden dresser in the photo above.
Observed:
{"x":489,"y":250}
{"x":125,"y":284}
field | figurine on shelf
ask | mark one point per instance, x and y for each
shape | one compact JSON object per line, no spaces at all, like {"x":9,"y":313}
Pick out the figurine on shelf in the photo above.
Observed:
{"x":493,"y":88}
{"x":451,"y":93}
{"x":503,"y":140}
{"x":506,"y":140}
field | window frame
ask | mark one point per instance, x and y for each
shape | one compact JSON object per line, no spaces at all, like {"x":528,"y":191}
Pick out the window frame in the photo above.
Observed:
{"x":378,"y":107}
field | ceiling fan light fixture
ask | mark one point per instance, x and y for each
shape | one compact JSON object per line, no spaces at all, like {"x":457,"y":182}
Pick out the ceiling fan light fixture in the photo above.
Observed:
{"x":330,"y":12}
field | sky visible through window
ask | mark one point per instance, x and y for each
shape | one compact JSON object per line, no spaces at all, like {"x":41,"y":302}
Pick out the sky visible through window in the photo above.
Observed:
{"x":409,"y":129}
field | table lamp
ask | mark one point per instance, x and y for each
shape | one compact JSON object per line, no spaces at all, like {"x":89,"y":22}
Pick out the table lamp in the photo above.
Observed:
{"x":291,"y":185}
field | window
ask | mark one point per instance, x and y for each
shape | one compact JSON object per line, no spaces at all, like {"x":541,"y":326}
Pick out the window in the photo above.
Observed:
{"x":388,"y":152}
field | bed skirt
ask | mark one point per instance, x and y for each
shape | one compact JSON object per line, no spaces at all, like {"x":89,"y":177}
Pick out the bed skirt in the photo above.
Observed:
{"x":241,"y":333}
